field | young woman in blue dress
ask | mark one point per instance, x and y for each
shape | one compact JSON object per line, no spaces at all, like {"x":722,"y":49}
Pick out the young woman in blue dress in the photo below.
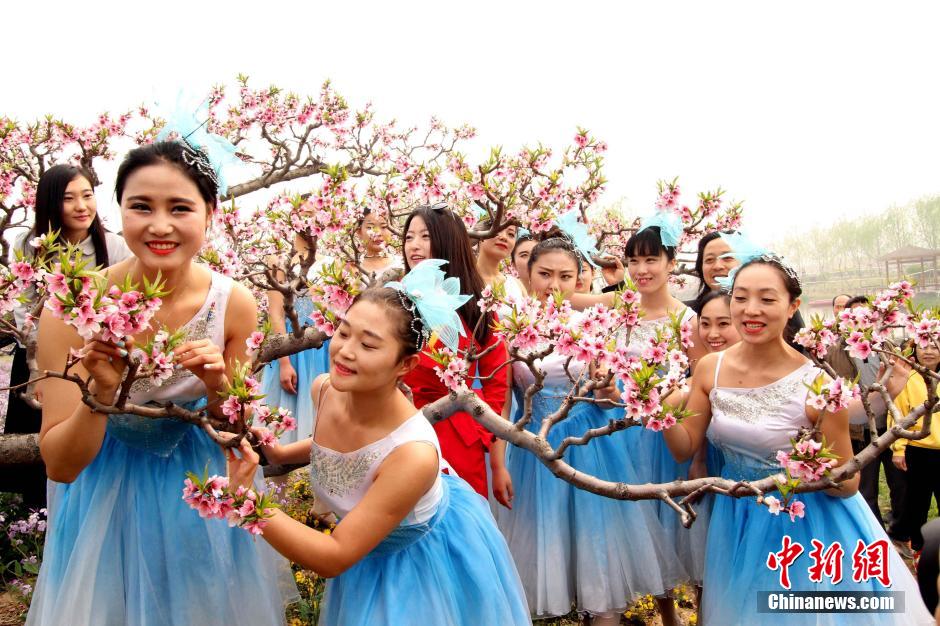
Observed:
{"x":414,"y":545}
{"x":750,"y":400}
{"x":122,"y":547}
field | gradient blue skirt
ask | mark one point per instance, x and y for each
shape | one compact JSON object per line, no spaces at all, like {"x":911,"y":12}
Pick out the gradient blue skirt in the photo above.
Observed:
{"x":123,"y":548}
{"x":655,"y":464}
{"x":573,"y":548}
{"x":453,"y":570}
{"x":308,"y":364}
{"x":742,"y":534}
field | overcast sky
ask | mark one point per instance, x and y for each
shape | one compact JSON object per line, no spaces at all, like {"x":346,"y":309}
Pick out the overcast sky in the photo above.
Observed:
{"x":807,"y":112}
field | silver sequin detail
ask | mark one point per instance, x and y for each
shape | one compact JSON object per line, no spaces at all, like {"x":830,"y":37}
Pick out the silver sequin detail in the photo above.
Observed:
{"x":338,"y":473}
{"x":643,"y":332}
{"x":753,"y":405}
{"x":197,"y":329}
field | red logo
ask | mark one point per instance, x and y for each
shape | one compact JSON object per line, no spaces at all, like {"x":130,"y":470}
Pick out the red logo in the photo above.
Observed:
{"x":784,"y":559}
{"x":868,"y":561}
{"x":871,"y":561}
{"x":826,"y":562}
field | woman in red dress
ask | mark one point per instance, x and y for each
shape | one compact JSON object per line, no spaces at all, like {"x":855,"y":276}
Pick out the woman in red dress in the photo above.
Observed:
{"x":435,"y":232}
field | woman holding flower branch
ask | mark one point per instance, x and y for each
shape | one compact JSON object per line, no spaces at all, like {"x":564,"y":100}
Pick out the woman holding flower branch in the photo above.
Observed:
{"x":414,"y":545}
{"x":757,"y":400}
{"x":122,"y":548}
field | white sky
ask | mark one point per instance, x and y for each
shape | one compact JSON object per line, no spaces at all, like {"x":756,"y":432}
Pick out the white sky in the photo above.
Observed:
{"x":807,"y":111}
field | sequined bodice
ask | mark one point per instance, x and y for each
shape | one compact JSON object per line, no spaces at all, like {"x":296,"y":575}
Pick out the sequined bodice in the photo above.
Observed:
{"x":749,"y":426}
{"x":161,"y":436}
{"x":341,"y":479}
{"x":646,"y":329}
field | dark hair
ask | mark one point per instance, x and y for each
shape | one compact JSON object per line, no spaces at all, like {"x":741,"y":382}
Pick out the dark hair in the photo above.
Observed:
{"x":709,"y":296}
{"x":839,"y":296}
{"x":790,"y":280}
{"x":792,"y":284}
{"x":50,"y":194}
{"x":856,"y":300}
{"x":555,"y":241}
{"x":409,"y":327}
{"x":450,"y":242}
{"x":366,"y":213}
{"x":165,"y":152}
{"x":519,"y":240}
{"x":700,"y":257}
{"x":648,"y":242}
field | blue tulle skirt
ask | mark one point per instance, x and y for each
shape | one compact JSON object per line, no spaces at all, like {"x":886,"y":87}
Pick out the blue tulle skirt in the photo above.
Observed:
{"x":573,"y":548}
{"x":308,"y":364}
{"x":123,"y":548}
{"x":453,"y":570}
{"x":742,"y":534}
{"x":656,"y":464}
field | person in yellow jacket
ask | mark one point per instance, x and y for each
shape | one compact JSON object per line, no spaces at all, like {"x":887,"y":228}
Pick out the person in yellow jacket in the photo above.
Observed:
{"x":919,"y":458}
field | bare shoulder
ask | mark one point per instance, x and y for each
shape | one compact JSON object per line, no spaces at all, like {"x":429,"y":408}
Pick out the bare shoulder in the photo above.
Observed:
{"x":241,"y":315}
{"x":315,"y":388}
{"x":241,"y":299}
{"x":705,"y":370}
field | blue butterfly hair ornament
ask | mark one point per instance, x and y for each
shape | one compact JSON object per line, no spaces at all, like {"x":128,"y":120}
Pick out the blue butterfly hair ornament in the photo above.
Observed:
{"x":578,"y":233}
{"x":207,"y":152}
{"x":670,"y":227}
{"x":745,"y":250}
{"x":429,"y":294}
{"x":478,"y":212}
{"x":522,"y":232}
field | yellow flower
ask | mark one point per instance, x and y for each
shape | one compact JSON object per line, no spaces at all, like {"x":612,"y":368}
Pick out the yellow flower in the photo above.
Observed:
{"x":693,"y":619}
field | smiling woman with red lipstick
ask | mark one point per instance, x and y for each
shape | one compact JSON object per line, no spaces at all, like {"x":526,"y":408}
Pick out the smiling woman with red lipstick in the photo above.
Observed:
{"x":413,"y":545}
{"x":435,"y":232}
{"x":751,"y":401}
{"x":494,"y":251}
{"x":122,"y":546}
{"x":65,"y":202}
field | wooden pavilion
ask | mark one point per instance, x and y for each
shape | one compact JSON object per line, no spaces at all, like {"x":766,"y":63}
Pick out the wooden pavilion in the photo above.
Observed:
{"x":927,"y":278}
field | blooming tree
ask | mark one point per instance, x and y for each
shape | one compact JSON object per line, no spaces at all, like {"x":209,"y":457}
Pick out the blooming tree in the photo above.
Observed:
{"x":304,"y":245}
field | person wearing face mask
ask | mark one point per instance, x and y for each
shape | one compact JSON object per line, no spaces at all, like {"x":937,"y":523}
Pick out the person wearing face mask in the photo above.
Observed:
{"x":66,"y":204}
{"x":122,"y":546}
{"x":414,"y":544}
{"x":572,"y":547}
{"x":435,"y":232}
{"x":750,"y":400}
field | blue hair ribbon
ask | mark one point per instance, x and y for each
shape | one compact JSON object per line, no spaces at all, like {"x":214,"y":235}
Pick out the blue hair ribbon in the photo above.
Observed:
{"x":188,"y":121}
{"x":436,"y":299}
{"x":577,"y":231}
{"x":669,"y":224}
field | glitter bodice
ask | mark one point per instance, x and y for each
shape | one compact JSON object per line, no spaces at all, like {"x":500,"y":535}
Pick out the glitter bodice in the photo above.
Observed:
{"x":646,"y":329}
{"x":161,"y":436}
{"x":750,"y":425}
{"x":341,"y":479}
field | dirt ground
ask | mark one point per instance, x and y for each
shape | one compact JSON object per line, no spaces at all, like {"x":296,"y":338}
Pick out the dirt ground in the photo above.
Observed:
{"x":12,"y":613}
